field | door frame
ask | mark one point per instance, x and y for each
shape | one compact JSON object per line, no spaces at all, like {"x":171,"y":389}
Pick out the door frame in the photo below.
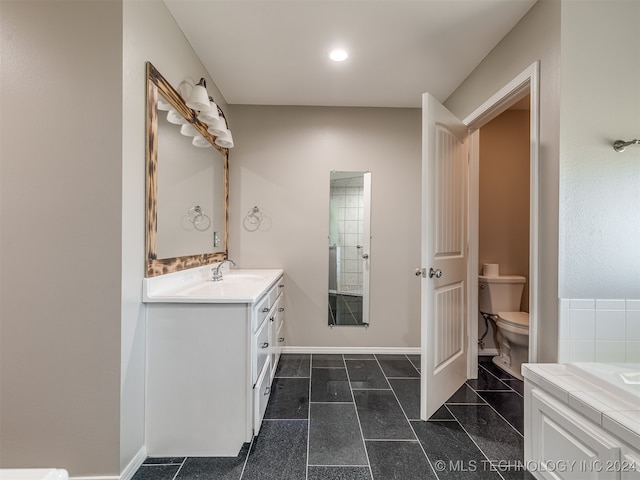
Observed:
{"x":526,"y":83}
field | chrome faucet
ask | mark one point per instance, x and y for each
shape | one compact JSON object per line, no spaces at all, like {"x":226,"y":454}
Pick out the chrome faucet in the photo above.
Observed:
{"x":216,"y":273}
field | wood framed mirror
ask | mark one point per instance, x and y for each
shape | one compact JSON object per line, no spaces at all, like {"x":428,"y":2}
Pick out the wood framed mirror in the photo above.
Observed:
{"x":187,"y":185}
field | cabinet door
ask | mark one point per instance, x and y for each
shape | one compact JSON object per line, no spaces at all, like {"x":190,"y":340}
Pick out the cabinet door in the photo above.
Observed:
{"x":261,"y":394}
{"x":567,"y":446}
{"x":260,"y":349}
{"x":631,"y":466}
{"x":274,"y":321}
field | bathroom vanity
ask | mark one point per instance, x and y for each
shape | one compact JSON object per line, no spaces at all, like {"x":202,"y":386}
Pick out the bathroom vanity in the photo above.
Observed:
{"x":579,"y":424}
{"x":212,"y":352}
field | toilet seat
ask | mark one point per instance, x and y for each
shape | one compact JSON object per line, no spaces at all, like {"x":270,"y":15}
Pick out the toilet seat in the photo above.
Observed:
{"x":514,"y":319}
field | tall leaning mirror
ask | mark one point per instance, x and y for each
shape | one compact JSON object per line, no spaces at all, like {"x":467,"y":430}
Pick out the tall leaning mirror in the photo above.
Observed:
{"x":349,"y":248}
{"x":186,"y":185}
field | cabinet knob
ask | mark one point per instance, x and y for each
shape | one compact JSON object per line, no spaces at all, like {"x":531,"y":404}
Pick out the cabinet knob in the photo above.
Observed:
{"x":281,"y":309}
{"x":272,"y":318}
{"x":281,"y":339}
{"x":265,"y":345}
{"x":265,"y":309}
{"x":281,"y":285}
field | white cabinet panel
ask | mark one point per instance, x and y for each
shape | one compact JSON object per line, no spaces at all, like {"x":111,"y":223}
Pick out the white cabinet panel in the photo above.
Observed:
{"x":566,"y":446}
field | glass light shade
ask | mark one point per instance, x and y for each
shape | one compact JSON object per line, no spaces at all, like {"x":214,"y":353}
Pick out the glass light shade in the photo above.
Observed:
{"x":175,"y":118}
{"x":198,"y":99}
{"x":188,"y":130}
{"x":210,"y":115}
{"x":162,"y":105}
{"x":199,"y":141}
{"x":225,"y":139}
{"x":217,"y":127}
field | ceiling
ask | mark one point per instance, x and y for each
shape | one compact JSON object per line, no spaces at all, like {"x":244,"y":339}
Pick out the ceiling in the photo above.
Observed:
{"x":274,"y":52}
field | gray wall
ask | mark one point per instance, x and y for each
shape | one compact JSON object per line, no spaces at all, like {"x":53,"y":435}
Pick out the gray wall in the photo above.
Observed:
{"x":150,"y":34}
{"x":536,"y":37}
{"x":281,"y":163}
{"x":600,"y":188}
{"x":61,"y":203}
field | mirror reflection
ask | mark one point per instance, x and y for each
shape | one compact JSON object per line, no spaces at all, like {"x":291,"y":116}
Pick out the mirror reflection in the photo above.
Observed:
{"x":349,"y":248}
{"x":190,"y":179}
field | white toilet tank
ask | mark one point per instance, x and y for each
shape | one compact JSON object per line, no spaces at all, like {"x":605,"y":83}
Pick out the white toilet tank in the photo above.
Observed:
{"x":502,"y":293}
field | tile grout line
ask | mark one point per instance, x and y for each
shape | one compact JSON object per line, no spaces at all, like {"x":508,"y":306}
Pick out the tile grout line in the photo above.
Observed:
{"x":472,"y":439}
{"x":355,"y":407}
{"x":509,"y":388}
{"x":493,"y":408}
{"x":184,"y":460}
{"x":411,"y":426}
{"x":246,"y":459}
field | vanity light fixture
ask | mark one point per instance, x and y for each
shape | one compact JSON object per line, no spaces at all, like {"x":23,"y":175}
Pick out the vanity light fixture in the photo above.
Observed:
{"x":175,"y":118}
{"x":164,"y":106}
{"x":199,"y":141}
{"x":225,"y":139}
{"x":198,"y":97}
{"x":210,"y":116}
{"x":218,"y":127}
{"x":338,"y":55}
{"x":188,"y":130}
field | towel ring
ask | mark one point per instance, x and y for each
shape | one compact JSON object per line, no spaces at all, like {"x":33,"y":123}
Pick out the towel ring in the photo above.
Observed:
{"x":253,"y":219}
{"x":198,"y":218}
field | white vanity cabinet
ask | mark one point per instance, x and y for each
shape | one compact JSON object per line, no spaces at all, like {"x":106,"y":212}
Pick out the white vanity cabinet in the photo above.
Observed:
{"x":567,"y":431}
{"x":209,"y":372}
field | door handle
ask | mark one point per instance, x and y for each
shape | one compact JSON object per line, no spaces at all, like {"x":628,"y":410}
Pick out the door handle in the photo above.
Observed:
{"x":435,"y":273}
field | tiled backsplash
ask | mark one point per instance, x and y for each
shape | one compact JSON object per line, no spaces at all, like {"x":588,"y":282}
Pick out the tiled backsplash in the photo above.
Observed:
{"x":593,"y":330}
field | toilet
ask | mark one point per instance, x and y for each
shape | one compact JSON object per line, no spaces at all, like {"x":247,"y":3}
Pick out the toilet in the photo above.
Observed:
{"x":499,"y":299}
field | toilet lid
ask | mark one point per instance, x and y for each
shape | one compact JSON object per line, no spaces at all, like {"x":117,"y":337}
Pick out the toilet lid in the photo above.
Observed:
{"x":520,"y":319}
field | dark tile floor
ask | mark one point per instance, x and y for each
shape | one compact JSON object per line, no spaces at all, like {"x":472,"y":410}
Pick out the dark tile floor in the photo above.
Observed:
{"x":356,"y":417}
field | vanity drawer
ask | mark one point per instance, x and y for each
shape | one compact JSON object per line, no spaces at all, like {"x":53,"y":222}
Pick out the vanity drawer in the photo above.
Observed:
{"x":261,"y":310}
{"x":276,"y":290}
{"x":260,"y":350}
{"x":261,"y":394}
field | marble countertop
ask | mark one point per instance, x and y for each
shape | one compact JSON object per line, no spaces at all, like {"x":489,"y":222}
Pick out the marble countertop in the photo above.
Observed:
{"x":598,"y":400}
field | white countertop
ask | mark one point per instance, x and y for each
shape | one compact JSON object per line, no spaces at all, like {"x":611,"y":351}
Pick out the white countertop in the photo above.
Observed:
{"x":603,"y":402}
{"x":195,"y":286}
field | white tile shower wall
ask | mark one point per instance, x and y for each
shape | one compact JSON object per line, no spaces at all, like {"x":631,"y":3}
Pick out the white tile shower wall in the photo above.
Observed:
{"x":350,"y":216}
{"x":599,"y":330}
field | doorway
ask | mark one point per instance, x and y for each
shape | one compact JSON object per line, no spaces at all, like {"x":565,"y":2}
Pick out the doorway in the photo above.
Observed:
{"x":524,"y":86}
{"x":503,"y":220}
{"x":446,"y":141}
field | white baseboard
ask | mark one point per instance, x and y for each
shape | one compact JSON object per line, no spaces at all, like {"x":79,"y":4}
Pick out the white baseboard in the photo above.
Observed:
{"x":134,"y":464}
{"x":354,"y":350}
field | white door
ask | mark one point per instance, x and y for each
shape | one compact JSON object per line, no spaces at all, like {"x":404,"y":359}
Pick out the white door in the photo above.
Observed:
{"x":444,"y":255}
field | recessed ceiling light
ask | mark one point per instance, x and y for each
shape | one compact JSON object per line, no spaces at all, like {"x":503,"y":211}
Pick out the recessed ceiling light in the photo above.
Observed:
{"x":338,"y":55}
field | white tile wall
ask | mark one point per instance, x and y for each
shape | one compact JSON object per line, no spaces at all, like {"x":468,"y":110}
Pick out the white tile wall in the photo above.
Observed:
{"x":350,"y":216}
{"x":599,"y":330}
